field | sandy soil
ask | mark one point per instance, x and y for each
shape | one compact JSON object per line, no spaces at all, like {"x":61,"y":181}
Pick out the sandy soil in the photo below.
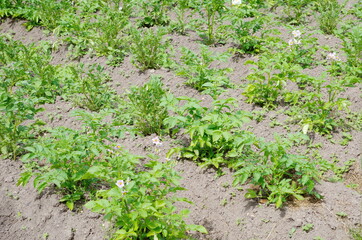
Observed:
{"x":222,"y":209}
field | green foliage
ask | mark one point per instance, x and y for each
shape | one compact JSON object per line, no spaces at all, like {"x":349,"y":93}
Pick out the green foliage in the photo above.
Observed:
{"x":139,"y":199}
{"x":356,"y":233}
{"x":243,"y":30}
{"x":147,"y":106}
{"x":26,"y":79}
{"x":154,"y":12}
{"x":308,"y":227}
{"x":149,"y":50}
{"x":330,"y":11}
{"x":199,"y":73}
{"x":212,"y":14}
{"x":39,"y":12}
{"x":28,"y":69}
{"x":277,"y":68}
{"x":14,"y":110}
{"x":142,"y":206}
{"x":216,"y":138}
{"x":314,"y":112}
{"x":65,"y":159}
{"x":268,"y":79}
{"x":111,"y":37}
{"x":180,"y":25}
{"x":81,"y":166}
{"x":86,"y":86}
{"x":301,"y":50}
{"x":278,"y":174}
{"x":352,"y":46}
{"x":295,"y":10}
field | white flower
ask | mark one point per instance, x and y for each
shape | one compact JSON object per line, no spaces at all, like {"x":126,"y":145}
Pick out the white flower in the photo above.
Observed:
{"x":120,"y":183}
{"x":297,"y":41}
{"x":296,"y":33}
{"x":333,"y":56}
{"x":235,"y":2}
{"x":117,"y":147}
{"x":156,"y":141}
{"x":294,"y":42}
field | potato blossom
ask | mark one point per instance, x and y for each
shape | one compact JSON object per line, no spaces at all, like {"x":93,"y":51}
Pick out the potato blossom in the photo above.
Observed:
{"x":120,"y":183}
{"x":156,"y":141}
{"x":294,"y":42}
{"x":333,"y":56}
{"x":296,"y":33}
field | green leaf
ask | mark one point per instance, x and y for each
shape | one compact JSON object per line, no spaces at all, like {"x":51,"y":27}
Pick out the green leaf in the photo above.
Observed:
{"x":93,"y":172}
{"x":298,"y":196}
{"x":216,"y":136}
{"x":153,"y":224}
{"x":4,"y":150}
{"x":24,"y":178}
{"x":198,"y":228}
{"x":251,"y":194}
{"x":227,"y":135}
{"x":305,"y":128}
{"x":98,"y":205}
{"x":70,"y":205}
{"x":143,"y":213}
{"x":279,"y":202}
{"x":188,"y":155}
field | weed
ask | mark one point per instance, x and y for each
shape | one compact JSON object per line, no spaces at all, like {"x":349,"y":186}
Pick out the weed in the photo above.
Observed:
{"x":147,"y":106}
{"x":342,"y":214}
{"x":111,"y":39}
{"x":308,"y":227}
{"x":180,"y":25}
{"x":197,"y":69}
{"x":149,"y":50}
{"x":356,"y":233}
{"x":295,"y":10}
{"x":212,"y":12}
{"x":291,"y":232}
{"x":329,"y":15}
{"x":86,"y":86}
{"x":154,"y":12}
{"x":223,"y":202}
{"x":243,"y":31}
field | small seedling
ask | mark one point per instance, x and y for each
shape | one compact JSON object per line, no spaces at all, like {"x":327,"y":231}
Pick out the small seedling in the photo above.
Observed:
{"x":45,"y":236}
{"x":223,"y":202}
{"x":291,"y":232}
{"x":347,"y":137}
{"x":318,"y":238}
{"x":342,"y":214}
{"x":308,"y":227}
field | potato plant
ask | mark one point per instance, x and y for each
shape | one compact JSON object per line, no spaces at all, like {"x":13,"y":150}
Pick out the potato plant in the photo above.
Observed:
{"x":227,"y":51}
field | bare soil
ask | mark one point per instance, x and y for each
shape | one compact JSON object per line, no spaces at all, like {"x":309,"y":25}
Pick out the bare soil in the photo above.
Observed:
{"x":222,"y":209}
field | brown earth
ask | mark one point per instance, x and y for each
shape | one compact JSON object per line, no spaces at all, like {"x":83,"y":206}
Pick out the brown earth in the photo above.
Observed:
{"x":222,"y":209}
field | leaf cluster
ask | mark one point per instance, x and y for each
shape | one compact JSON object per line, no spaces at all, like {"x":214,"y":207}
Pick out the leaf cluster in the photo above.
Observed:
{"x":197,"y":69}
